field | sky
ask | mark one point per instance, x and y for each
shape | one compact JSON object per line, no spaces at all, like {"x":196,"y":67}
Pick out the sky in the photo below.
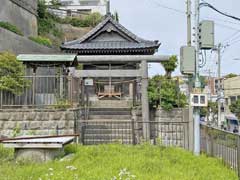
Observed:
{"x":166,"y":21}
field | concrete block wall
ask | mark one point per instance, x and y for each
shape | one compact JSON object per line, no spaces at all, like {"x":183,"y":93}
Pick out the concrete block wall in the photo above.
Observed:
{"x":12,"y":42}
{"x":37,"y":122}
{"x":21,"y":13}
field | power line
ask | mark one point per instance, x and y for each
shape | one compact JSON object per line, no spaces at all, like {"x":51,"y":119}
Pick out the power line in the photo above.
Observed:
{"x":169,"y":8}
{"x":206,"y":4}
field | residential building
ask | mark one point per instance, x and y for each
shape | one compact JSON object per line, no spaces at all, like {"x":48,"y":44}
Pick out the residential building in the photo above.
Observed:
{"x":78,"y":7}
{"x":232,"y":89}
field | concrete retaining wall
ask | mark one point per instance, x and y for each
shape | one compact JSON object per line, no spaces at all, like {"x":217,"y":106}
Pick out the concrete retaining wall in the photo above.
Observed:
{"x":37,"y":122}
{"x":21,"y":13}
{"x":12,"y":42}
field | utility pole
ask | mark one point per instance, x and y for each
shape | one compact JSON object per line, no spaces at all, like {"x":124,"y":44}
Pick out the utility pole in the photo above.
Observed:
{"x":189,"y":23}
{"x":197,"y":82}
{"x":219,"y":83}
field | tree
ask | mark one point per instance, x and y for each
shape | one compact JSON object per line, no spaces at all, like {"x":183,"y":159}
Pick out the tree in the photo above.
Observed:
{"x":170,"y":66}
{"x":11,"y":74}
{"x":93,"y":19}
{"x":165,"y":92}
{"x":231,"y":75}
{"x":116,"y":16}
{"x":42,"y":9}
{"x":235,"y":108}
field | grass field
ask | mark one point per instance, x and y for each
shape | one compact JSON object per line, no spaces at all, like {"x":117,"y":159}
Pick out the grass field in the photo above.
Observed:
{"x":115,"y":162}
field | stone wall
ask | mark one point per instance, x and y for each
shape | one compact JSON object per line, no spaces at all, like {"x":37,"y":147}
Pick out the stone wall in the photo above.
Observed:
{"x":12,"y":42}
{"x":21,"y":13}
{"x":38,"y":122}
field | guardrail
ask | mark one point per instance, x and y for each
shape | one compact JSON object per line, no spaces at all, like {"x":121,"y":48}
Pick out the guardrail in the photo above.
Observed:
{"x":221,"y":144}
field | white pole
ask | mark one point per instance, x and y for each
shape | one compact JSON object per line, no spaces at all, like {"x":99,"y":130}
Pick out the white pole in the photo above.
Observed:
{"x":219,"y":84}
{"x":197,"y":82}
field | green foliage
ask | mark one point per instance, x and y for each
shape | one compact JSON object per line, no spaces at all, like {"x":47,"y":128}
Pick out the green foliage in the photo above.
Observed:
{"x":47,"y":22}
{"x":11,"y":27}
{"x":41,"y":40}
{"x":144,"y":162}
{"x":170,"y":65}
{"x":231,"y":75}
{"x":62,"y":104}
{"x":11,"y":74}
{"x":16,"y":131}
{"x":90,"y":20}
{"x":165,"y":92}
{"x":6,"y":154}
{"x":235,"y":108}
{"x":212,"y":108}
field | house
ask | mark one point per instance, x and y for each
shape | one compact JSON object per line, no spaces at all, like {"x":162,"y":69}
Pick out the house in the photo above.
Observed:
{"x":78,"y":7}
{"x":231,"y":89}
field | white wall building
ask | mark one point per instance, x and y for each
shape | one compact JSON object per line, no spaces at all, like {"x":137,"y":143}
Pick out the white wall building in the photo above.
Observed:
{"x":80,"y":7}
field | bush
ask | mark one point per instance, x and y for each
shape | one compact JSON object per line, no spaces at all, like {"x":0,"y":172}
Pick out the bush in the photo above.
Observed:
{"x":42,"y":40}
{"x":165,"y":92}
{"x":11,"y":74}
{"x":10,"y":27}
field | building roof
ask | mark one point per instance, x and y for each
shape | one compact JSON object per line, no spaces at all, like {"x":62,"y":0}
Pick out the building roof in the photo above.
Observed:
{"x":42,"y":60}
{"x":110,"y":37}
{"x":46,"y":57}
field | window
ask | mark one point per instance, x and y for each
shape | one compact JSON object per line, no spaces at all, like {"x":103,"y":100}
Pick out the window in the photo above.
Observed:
{"x":233,"y":99}
{"x":89,"y":3}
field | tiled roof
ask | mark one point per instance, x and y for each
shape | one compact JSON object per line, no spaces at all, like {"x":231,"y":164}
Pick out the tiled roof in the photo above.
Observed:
{"x":132,"y":41}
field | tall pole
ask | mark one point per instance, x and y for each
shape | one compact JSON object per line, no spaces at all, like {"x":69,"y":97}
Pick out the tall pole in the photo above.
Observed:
{"x":219,"y":84}
{"x":197,"y":82}
{"x":189,"y":23}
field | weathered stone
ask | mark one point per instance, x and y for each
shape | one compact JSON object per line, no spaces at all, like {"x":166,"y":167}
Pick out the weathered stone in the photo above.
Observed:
{"x":4,"y":116}
{"x":17,"y":116}
{"x":55,"y":115}
{"x":69,"y":116}
{"x":10,"y":125}
{"x":30,"y":116}
{"x":35,"y":125}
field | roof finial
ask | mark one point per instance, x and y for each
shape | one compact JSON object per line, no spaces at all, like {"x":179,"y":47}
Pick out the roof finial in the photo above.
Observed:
{"x":108,"y":8}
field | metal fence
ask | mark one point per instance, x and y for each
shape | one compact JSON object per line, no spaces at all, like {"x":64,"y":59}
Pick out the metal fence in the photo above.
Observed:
{"x":221,"y":144}
{"x":43,"y":91}
{"x":131,"y":132}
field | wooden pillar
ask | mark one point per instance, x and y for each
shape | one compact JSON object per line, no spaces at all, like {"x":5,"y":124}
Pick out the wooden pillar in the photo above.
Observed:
{"x":34,"y":85}
{"x":145,"y":101}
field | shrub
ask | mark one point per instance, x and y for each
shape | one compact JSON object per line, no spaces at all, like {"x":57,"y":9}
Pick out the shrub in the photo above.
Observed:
{"x":165,"y":92}
{"x":11,"y":74}
{"x":41,"y":40}
{"x":10,"y":27}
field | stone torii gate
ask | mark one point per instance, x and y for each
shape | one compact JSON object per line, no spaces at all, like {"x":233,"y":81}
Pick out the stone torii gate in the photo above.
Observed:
{"x":142,"y":73}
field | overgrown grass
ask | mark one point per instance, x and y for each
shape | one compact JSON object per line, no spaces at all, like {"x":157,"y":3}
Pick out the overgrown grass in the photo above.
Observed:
{"x":104,"y":162}
{"x":10,"y":27}
{"x":41,"y":40}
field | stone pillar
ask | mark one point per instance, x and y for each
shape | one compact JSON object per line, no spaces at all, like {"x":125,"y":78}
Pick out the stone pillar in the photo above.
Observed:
{"x":145,"y":101}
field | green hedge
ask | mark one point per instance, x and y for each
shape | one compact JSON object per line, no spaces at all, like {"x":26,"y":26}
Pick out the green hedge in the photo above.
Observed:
{"x":10,"y":27}
{"x":41,"y":40}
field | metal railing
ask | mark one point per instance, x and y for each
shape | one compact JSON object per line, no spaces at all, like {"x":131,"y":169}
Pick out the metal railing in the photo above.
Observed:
{"x":131,"y":132}
{"x":221,"y":144}
{"x":43,"y":91}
